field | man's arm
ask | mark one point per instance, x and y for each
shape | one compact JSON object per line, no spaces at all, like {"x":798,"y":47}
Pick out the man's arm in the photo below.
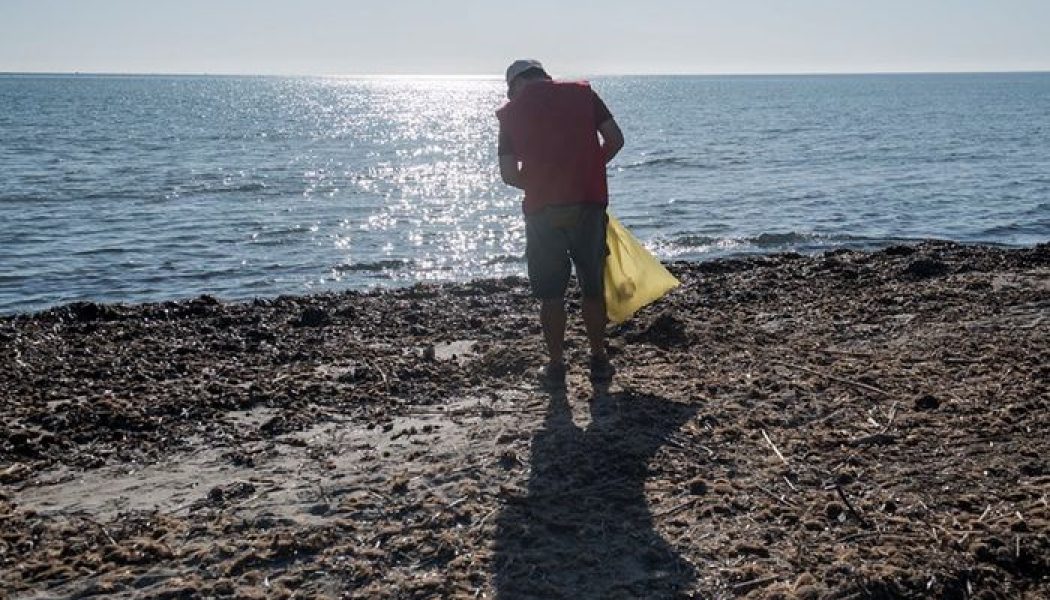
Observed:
{"x":509,"y":167}
{"x":510,"y":171}
{"x":612,"y":139}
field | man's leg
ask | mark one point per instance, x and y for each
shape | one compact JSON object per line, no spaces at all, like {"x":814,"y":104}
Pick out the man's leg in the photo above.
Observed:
{"x":588,"y":252}
{"x":594,"y":321}
{"x":552,"y":318}
{"x":549,"y":269}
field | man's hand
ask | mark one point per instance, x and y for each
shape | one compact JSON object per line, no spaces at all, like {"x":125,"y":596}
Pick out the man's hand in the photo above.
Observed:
{"x":510,"y":171}
{"x":612,"y":139}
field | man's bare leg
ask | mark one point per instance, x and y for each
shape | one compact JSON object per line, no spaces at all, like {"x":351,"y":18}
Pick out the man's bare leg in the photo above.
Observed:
{"x":552,"y":318}
{"x":594,"y":321}
{"x":602,"y":371}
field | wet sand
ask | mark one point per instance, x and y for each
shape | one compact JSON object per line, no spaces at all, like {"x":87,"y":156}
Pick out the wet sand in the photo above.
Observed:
{"x":852,"y":425}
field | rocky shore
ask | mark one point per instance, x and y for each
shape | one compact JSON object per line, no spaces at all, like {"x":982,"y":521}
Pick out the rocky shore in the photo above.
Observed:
{"x":851,"y":425}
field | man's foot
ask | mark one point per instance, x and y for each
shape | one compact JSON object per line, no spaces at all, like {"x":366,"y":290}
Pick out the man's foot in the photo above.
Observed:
{"x":602,"y":370}
{"x":552,"y":376}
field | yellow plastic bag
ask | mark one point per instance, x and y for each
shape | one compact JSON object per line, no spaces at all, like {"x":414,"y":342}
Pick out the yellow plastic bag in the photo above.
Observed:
{"x":633,"y":277}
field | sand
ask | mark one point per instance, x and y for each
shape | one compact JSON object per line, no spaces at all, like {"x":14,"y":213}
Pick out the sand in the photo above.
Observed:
{"x":851,"y":425}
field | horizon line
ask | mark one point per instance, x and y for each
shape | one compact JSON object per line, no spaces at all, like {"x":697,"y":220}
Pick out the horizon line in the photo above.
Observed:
{"x":498,"y":77}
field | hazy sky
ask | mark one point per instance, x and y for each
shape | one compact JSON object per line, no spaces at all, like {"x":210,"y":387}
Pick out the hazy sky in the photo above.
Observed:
{"x":329,"y":37}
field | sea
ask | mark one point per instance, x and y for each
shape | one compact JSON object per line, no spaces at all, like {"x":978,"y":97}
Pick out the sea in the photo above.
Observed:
{"x":151,"y":188}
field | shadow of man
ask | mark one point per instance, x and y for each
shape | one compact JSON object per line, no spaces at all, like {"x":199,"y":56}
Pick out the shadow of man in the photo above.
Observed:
{"x":584,"y":530}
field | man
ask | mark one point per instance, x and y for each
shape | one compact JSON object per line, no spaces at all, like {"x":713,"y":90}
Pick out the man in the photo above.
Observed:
{"x":549,"y":147}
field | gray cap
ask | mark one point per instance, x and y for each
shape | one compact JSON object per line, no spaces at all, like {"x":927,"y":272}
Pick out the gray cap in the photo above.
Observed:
{"x":520,"y":66}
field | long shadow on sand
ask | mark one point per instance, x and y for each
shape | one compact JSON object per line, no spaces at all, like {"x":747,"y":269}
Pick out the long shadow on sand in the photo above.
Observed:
{"x":584,"y":530}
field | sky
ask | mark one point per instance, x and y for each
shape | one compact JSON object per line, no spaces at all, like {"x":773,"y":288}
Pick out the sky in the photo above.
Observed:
{"x":480,"y":37}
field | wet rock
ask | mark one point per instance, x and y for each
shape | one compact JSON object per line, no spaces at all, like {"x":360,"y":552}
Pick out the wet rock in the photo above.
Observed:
{"x":201,"y":305}
{"x":87,"y":312}
{"x":288,"y":422}
{"x":508,"y":460}
{"x":927,"y":402}
{"x":313,"y":317}
{"x":833,"y":510}
{"x":320,"y":509}
{"x":697,"y":486}
{"x":926,"y":267}
{"x":899,"y":251}
{"x":231,"y":491}
{"x":747,"y":549}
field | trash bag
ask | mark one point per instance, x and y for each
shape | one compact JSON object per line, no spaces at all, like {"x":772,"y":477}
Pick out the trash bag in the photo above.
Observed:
{"x":633,"y":277}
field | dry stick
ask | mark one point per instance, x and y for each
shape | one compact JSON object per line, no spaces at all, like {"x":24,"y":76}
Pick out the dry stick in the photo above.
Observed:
{"x":881,"y":435}
{"x":858,"y":536}
{"x":774,"y":447}
{"x":829,"y":415}
{"x":382,"y":373}
{"x":102,"y":528}
{"x":677,"y":509}
{"x":481,"y":523}
{"x":847,"y":353}
{"x":779,"y":499}
{"x":985,"y":513}
{"x":747,"y":585}
{"x":849,"y":505}
{"x":858,"y":384}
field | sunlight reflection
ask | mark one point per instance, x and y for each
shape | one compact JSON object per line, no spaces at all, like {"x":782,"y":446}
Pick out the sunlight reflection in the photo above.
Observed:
{"x":408,"y":165}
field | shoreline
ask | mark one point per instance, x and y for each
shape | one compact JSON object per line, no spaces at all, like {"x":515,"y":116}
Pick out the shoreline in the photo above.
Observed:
{"x":781,"y":426}
{"x":381,"y":288}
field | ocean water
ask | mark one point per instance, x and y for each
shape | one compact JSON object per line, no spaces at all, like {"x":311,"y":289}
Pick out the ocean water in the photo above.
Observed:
{"x":147,"y":188}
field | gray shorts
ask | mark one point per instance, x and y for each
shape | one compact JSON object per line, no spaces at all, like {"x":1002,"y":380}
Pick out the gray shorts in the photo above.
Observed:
{"x":560,"y":233}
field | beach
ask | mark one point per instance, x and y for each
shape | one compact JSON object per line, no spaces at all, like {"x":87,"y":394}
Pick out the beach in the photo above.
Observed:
{"x":850,"y":424}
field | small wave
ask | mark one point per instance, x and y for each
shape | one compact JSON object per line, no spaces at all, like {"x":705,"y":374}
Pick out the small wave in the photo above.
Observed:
{"x":277,"y":235}
{"x":31,"y":198}
{"x":505,"y":259}
{"x":99,"y":251}
{"x":373,"y":267}
{"x":668,"y":161}
{"x":124,"y":194}
{"x":678,"y":162}
{"x":246,"y":187}
{"x":695,"y":240}
{"x":785,"y":130}
{"x":782,"y":239}
{"x":224,"y":189}
{"x":197,"y":188}
{"x":954,"y":157}
{"x":771,"y":240}
{"x":1040,"y":227}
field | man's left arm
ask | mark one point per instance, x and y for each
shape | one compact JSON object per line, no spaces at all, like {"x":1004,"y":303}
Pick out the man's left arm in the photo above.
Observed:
{"x":510,"y":171}
{"x":612,"y":137}
{"x":509,"y":167}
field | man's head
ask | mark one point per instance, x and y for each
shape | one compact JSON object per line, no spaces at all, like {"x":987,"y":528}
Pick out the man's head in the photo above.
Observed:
{"x":521,"y":72}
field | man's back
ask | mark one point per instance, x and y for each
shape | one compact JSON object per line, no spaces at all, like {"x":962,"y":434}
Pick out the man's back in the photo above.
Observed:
{"x":552,"y":129}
